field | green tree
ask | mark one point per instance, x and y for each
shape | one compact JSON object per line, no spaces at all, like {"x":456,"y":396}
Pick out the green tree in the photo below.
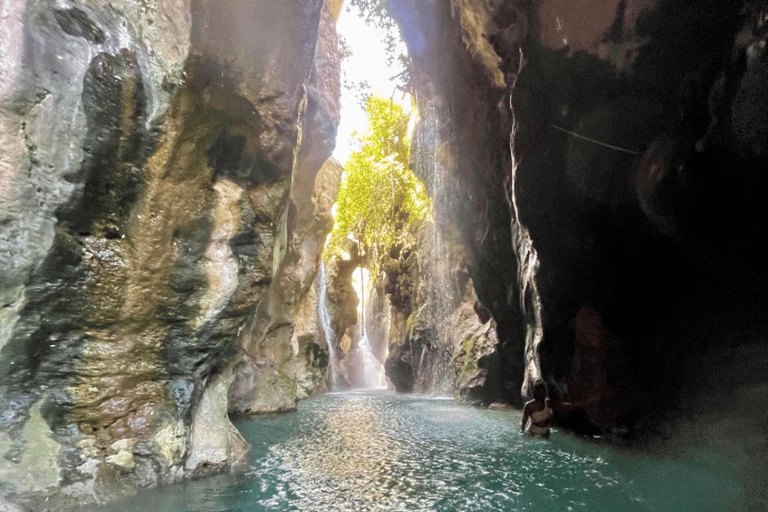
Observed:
{"x":381,"y":202}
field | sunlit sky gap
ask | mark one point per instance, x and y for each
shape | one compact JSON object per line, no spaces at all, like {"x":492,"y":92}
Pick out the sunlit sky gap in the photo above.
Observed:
{"x":368,"y":62}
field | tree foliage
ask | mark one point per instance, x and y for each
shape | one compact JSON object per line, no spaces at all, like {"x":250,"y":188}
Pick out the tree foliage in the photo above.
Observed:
{"x":381,"y":202}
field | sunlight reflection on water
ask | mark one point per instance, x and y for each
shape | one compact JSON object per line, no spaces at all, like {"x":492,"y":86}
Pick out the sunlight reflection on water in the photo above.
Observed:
{"x":379,"y":451}
{"x":388,"y":452}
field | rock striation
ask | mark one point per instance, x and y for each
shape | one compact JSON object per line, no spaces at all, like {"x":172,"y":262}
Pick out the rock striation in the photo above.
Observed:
{"x":163,"y":205}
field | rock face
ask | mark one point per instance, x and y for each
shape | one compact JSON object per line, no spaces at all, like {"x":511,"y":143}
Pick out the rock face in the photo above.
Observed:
{"x":342,"y":302}
{"x":267,"y":379}
{"x":437,"y":337}
{"x":161,"y":213}
{"x":613,"y":245}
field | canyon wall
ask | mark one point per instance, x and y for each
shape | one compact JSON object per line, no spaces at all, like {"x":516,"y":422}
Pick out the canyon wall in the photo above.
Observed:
{"x":160,"y":217}
{"x":164,"y":198}
{"x":610,"y":161}
{"x":437,"y":337}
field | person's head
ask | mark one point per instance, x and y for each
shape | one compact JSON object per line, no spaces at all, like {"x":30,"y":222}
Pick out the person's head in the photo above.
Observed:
{"x":539,"y":391}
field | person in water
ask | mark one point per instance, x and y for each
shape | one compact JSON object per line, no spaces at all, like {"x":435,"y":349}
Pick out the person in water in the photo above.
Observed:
{"x":538,"y":412}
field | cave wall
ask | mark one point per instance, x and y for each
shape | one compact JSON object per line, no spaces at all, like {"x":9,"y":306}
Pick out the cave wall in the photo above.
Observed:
{"x":636,"y":167}
{"x":438,"y":338}
{"x":266,"y":380}
{"x":157,"y":184}
{"x":458,"y":81}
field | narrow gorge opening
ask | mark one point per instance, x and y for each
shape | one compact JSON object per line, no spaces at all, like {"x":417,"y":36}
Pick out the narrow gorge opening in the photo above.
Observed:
{"x":572,"y":196}
{"x":390,"y":228}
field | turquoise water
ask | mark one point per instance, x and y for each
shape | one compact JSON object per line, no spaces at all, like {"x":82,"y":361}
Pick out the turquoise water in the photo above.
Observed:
{"x":386,"y":452}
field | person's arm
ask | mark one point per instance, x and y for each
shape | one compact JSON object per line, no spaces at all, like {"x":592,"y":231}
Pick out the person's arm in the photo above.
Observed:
{"x":526,"y":413}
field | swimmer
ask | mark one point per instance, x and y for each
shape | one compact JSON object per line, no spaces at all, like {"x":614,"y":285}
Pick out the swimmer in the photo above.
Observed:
{"x":538,"y":411}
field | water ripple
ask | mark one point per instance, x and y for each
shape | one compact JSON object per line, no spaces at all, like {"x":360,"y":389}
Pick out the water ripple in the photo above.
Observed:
{"x":387,"y":452}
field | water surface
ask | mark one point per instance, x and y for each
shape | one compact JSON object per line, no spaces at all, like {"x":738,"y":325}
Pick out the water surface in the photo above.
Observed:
{"x":386,"y":452}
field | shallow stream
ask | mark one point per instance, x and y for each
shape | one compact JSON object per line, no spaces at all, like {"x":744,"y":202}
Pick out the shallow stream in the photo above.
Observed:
{"x":382,"y":451}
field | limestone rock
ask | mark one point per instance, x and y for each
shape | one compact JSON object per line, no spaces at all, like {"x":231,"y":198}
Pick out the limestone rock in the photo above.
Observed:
{"x":214,"y":441}
{"x":342,"y":297}
{"x":6,"y":506}
{"x":149,"y":192}
{"x":427,"y":313}
{"x":312,"y":353}
{"x":288,"y":363}
{"x":35,"y":468}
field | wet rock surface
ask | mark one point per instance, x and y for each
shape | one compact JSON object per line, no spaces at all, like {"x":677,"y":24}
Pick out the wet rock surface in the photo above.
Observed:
{"x":425,"y":309}
{"x":636,"y":177}
{"x":150,"y":198}
{"x":266,"y":380}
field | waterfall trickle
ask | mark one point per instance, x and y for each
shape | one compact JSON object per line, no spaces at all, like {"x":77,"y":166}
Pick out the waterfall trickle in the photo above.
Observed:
{"x":325,"y":323}
{"x":432,"y":362}
{"x":527,"y":265}
{"x":368,"y":371}
{"x":373,"y":370}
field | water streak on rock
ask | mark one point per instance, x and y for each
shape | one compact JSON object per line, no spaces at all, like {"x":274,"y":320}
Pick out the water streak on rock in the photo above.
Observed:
{"x":438,"y":259}
{"x":373,"y":370}
{"x":325,"y":321}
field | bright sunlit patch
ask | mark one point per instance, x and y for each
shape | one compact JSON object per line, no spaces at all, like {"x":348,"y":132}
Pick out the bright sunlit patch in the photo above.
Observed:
{"x":368,"y":63}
